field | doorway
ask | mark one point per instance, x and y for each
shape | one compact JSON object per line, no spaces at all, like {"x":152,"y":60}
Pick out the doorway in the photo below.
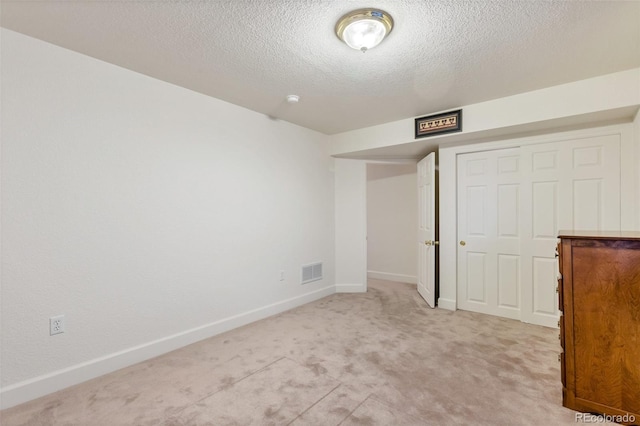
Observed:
{"x":392,"y":220}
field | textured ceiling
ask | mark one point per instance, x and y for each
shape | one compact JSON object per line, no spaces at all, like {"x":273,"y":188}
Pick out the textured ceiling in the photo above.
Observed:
{"x":440,"y":55}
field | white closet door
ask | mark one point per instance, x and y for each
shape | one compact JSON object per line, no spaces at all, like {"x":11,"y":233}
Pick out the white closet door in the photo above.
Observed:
{"x":572,"y":184}
{"x":511,"y":205}
{"x":489,"y":232}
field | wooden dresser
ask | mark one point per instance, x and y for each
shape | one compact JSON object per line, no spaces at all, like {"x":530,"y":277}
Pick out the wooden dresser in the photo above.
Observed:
{"x":599,"y":295}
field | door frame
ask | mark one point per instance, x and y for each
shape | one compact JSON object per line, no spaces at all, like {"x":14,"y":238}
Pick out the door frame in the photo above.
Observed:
{"x":350,"y":222}
{"x":449,"y":186}
{"x":390,"y":162}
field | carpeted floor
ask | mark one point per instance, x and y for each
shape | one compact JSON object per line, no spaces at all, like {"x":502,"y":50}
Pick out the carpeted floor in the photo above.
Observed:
{"x":380,"y":358}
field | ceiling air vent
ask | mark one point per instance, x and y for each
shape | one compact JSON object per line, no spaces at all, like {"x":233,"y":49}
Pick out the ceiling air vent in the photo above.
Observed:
{"x":311,"y":272}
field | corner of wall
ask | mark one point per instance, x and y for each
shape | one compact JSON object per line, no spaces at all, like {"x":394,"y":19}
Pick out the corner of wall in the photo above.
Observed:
{"x":351,"y":288}
{"x":448,"y":228}
{"x":350,"y":225}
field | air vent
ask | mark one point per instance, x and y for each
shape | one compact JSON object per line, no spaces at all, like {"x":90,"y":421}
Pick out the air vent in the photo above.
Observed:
{"x":311,"y":272}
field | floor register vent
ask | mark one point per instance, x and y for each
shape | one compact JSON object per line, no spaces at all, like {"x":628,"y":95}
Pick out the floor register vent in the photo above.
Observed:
{"x":311,"y":272}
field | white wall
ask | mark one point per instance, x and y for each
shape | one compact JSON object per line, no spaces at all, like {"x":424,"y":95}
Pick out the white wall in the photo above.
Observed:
{"x":149,"y":215}
{"x":351,"y":225}
{"x":581,"y":102}
{"x":392,"y":222}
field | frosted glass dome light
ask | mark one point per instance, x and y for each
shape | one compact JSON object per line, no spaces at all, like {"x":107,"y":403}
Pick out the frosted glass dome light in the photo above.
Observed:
{"x":364,"y":29}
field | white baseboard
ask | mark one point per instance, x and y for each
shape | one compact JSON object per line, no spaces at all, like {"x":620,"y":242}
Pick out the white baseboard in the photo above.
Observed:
{"x":351,"y":288}
{"x":48,"y":383}
{"x":448,"y":304}
{"x":377,"y":275}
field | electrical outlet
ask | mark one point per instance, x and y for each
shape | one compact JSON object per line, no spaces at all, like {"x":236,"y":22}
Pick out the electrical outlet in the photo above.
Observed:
{"x":56,"y":325}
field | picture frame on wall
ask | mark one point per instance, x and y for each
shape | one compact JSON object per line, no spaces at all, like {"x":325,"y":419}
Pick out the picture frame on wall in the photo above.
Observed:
{"x":437,"y":124}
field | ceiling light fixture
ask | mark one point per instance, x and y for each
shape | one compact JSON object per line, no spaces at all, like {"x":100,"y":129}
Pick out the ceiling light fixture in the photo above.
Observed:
{"x":364,"y":29}
{"x":293,"y":99}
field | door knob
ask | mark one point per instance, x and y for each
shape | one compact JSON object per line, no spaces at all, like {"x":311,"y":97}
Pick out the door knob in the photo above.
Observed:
{"x":462,"y":243}
{"x":432,"y":243}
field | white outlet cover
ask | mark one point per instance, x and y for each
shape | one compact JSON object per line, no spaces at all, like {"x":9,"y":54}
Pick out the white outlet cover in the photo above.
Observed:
{"x":56,"y":325}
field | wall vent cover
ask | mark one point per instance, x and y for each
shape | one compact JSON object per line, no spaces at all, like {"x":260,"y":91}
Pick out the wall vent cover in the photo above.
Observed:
{"x":311,"y":272}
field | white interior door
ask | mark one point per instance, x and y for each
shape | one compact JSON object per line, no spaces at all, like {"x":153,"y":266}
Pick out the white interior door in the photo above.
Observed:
{"x":511,"y":205}
{"x":489,"y":232}
{"x":427,"y":229}
{"x":574,"y":184}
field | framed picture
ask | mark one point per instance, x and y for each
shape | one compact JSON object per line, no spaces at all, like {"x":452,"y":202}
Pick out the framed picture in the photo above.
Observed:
{"x":446,"y":122}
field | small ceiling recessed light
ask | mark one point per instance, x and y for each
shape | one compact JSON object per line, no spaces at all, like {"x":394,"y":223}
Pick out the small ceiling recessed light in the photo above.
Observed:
{"x":364,"y":29}
{"x":293,"y":99}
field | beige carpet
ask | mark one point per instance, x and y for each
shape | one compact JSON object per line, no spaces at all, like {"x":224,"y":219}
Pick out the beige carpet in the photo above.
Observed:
{"x":380,"y":358}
